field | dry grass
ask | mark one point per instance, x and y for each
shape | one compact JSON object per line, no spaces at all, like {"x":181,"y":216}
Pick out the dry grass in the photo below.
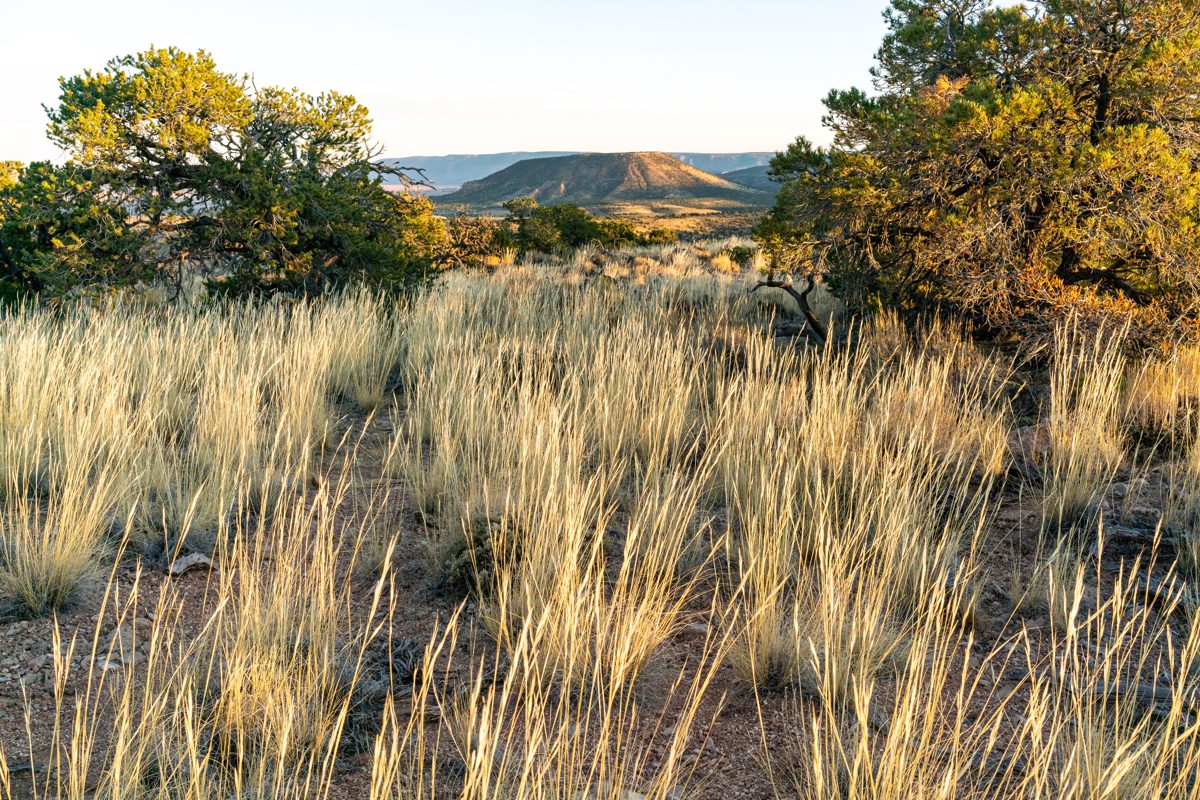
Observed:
{"x":594,"y":468}
{"x":1085,"y":445}
{"x":1162,"y":395}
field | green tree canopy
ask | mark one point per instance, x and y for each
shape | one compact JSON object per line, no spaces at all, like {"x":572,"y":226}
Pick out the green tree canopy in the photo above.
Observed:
{"x":566,"y":226}
{"x":57,"y":233}
{"x":253,"y":188}
{"x":1016,"y":163}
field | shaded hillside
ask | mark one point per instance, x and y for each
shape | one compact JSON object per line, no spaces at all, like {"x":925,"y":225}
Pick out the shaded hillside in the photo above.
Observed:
{"x":593,"y":179}
{"x":756,"y":177}
{"x":722,"y":163}
{"x":450,"y":172}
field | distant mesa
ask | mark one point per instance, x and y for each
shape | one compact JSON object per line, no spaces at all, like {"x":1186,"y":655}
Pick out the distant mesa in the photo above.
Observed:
{"x":449,"y":173}
{"x":597,"y":179}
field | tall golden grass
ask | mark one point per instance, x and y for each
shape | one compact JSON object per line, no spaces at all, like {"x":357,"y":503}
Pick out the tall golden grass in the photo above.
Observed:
{"x":598,"y":471}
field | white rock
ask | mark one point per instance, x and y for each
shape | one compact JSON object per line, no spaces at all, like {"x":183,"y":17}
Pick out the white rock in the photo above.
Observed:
{"x":182,"y":566}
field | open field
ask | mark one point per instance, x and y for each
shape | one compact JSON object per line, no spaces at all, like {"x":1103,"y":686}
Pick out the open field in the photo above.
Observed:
{"x":590,"y":529}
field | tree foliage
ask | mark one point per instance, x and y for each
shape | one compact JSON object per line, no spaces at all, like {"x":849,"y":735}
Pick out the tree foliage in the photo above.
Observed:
{"x":1016,"y":163}
{"x":473,"y":241}
{"x":57,"y":232}
{"x":551,"y":228}
{"x":177,"y":167}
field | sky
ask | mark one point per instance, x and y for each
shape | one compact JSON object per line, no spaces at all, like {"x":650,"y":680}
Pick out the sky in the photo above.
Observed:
{"x":469,"y":76}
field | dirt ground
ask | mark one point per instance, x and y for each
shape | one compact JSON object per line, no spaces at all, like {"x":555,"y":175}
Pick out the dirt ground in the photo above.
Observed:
{"x":728,"y":755}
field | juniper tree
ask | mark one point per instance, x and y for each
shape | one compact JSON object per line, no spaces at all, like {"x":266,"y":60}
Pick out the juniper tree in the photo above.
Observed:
{"x":261,"y":188}
{"x":1015,"y":163}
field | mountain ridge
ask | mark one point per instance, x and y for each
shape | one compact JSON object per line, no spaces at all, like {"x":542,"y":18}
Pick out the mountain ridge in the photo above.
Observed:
{"x":450,"y":172}
{"x":595,"y":179}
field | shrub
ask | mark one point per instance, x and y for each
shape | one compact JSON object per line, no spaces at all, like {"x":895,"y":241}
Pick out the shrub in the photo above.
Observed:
{"x":548,"y":229}
{"x":471,"y":241}
{"x":58,"y":232}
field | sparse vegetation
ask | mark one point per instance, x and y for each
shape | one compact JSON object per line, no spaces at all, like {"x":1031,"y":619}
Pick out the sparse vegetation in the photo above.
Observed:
{"x":598,"y":514}
{"x":664,"y":518}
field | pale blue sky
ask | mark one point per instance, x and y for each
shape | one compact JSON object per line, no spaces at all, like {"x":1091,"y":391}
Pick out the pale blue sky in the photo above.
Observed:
{"x":453,"y":76}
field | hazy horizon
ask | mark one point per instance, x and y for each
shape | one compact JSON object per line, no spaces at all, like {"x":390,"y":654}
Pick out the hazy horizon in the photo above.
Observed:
{"x":466,"y":76}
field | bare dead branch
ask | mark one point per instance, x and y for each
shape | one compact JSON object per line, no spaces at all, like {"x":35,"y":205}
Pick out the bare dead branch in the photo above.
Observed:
{"x":813,"y":325}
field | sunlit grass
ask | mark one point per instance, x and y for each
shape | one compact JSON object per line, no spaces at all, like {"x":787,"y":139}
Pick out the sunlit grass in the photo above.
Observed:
{"x":584,"y":474}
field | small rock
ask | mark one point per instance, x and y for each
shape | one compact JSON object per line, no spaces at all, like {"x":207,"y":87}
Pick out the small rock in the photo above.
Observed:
{"x":1100,"y":507}
{"x":123,"y":644}
{"x":182,"y":566}
{"x":1144,"y":516}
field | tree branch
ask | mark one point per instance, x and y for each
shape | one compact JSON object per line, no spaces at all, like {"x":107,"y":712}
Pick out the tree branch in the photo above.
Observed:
{"x":814,"y":326}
